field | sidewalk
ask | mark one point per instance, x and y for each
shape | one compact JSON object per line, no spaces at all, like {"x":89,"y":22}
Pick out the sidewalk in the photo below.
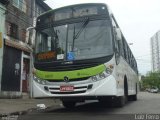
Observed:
{"x":17,"y":105}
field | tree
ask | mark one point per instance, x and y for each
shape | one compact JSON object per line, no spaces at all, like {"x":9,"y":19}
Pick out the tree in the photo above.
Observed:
{"x":152,"y":79}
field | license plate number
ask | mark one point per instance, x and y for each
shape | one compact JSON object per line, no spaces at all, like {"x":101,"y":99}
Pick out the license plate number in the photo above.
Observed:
{"x":66,"y":88}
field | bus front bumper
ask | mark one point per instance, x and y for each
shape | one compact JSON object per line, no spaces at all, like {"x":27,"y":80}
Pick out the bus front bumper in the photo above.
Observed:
{"x":104,"y":87}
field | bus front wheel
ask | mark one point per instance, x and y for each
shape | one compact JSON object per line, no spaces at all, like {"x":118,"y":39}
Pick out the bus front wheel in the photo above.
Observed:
{"x":120,"y":101}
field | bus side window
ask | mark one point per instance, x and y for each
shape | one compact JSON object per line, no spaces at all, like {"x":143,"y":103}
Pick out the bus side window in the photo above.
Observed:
{"x":129,"y":56}
{"x":127,"y":52}
{"x":124,"y":48}
{"x":121,"y":47}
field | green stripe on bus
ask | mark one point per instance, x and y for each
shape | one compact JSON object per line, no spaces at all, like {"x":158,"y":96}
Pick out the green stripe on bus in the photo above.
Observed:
{"x":70,"y":74}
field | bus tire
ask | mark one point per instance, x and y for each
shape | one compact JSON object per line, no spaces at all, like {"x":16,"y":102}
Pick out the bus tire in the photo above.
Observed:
{"x":69,"y":104}
{"x":125,"y":90}
{"x":105,"y":101}
{"x":120,"y":101}
{"x":133,"y":97}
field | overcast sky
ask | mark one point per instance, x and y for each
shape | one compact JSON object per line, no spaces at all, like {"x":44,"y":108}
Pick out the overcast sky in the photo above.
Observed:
{"x":139,"y":20}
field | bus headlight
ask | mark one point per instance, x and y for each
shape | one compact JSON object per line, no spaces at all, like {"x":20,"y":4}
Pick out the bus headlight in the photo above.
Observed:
{"x":40,"y":81}
{"x":102,"y":75}
{"x":108,"y":71}
{"x":94,"y":78}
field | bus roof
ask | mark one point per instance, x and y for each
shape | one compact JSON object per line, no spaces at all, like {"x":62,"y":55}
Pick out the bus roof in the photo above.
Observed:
{"x":70,"y":6}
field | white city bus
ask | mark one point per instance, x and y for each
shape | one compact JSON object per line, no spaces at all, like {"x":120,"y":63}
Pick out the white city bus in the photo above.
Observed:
{"x":81,"y":54}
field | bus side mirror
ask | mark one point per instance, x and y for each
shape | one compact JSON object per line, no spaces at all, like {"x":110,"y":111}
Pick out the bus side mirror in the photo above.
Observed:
{"x":30,"y":35}
{"x":118,"y":34}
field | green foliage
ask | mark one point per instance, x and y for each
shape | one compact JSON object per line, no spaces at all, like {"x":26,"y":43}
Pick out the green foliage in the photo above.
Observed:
{"x":152,"y":79}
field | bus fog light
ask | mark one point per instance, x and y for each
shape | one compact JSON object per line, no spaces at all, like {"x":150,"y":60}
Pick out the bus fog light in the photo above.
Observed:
{"x":46,"y":88}
{"x":90,"y":86}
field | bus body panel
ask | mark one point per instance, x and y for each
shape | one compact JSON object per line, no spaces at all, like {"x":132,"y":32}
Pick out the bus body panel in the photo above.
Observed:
{"x":123,"y":69}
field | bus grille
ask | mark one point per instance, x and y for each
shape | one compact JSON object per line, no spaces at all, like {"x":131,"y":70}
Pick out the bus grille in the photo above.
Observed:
{"x":77,"y":90}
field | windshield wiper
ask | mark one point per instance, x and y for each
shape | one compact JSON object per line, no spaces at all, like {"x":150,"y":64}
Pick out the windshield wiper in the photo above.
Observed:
{"x":54,"y":38}
{"x":86,"y":21}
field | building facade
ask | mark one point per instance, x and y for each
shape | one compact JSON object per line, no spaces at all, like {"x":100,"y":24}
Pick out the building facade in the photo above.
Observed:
{"x":3,"y":4}
{"x":19,"y":15}
{"x":155,"y":52}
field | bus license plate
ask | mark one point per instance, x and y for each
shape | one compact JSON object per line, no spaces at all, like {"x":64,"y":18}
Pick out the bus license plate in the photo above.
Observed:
{"x":66,"y":88}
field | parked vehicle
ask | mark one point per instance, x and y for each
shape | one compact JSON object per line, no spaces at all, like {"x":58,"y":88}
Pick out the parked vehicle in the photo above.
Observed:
{"x":148,"y":89}
{"x":154,"y":90}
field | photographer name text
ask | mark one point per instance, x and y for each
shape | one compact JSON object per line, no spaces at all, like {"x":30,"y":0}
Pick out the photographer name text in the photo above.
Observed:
{"x":147,"y":116}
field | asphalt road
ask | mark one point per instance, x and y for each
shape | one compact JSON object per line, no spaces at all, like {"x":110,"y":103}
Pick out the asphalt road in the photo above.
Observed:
{"x":142,"y":109}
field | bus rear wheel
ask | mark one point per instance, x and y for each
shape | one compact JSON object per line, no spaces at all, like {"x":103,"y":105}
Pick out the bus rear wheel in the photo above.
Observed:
{"x":133,"y":97}
{"x":69,"y":104}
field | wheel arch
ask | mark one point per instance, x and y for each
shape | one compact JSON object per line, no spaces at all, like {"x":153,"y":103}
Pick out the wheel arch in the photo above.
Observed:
{"x":125,"y":85}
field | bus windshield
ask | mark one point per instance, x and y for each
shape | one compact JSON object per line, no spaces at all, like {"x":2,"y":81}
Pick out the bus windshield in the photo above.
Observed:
{"x":76,"y":41}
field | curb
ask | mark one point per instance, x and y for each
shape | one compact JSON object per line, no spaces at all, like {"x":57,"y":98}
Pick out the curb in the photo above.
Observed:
{"x":24,"y":112}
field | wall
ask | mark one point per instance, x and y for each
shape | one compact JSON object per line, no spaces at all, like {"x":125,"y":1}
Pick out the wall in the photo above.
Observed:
{"x":2,"y":21}
{"x":20,"y":18}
